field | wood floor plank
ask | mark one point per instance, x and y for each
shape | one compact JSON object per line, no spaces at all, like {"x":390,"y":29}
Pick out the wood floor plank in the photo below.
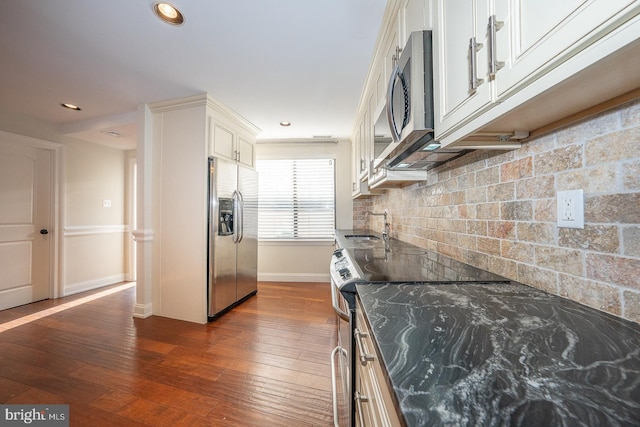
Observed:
{"x":62,"y":385}
{"x":265,"y":362}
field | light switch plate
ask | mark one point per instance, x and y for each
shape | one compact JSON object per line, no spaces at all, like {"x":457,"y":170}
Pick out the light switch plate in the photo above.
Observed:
{"x":106,"y":203}
{"x":570,"y":209}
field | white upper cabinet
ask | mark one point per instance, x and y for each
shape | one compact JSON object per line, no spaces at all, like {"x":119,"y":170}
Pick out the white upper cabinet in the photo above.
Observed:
{"x":400,"y":19}
{"x":461,"y":86}
{"x":504,"y":68}
{"x":414,"y":15}
{"x":245,"y":150}
{"x":227,"y":142}
{"x":538,"y":35}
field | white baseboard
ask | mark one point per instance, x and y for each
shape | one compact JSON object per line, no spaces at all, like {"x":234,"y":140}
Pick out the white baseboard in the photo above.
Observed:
{"x":142,"y":311}
{"x":88,"y":285}
{"x":294,"y":277}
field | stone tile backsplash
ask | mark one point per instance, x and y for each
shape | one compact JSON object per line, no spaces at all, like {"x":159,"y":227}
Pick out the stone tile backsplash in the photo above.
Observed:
{"x":497,"y":211}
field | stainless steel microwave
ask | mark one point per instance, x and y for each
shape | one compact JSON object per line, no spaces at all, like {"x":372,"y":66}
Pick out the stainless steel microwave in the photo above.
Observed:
{"x":407,"y":116}
{"x":404,"y":127}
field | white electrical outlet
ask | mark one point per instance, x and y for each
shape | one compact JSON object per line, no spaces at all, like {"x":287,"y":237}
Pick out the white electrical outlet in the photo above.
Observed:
{"x":570,"y":209}
{"x":106,"y":203}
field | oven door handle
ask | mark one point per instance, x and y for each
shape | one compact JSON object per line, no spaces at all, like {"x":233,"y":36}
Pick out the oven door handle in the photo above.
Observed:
{"x":334,"y":387}
{"x":334,"y":301}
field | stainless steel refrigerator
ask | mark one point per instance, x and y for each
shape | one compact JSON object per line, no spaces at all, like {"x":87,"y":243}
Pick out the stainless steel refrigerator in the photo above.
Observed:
{"x":233,"y":235}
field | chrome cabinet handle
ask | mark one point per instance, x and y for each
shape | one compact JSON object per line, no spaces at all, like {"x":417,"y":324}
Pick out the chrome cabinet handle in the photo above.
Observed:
{"x":334,"y":387}
{"x":364,"y":356}
{"x":359,"y":398}
{"x":492,"y":28}
{"x":474,"y":81}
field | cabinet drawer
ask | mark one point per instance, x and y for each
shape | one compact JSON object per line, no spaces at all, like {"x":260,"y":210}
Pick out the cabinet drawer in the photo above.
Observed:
{"x":374,"y":404}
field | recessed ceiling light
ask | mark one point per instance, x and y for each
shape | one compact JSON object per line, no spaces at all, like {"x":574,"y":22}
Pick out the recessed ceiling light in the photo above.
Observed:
{"x":285,"y":123}
{"x":71,"y":106}
{"x":168,"y":13}
{"x":112,"y":133}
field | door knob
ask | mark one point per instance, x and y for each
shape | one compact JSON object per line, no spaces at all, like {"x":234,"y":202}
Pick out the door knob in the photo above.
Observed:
{"x":44,"y":231}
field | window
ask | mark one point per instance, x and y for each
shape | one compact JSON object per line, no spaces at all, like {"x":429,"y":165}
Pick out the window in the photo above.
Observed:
{"x":296,"y":199}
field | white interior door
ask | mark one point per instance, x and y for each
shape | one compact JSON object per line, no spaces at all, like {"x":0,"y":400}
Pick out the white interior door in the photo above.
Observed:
{"x":25,"y":221}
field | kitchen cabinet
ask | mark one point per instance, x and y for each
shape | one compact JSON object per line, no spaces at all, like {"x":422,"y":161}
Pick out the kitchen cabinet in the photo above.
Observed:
{"x":228,"y":143}
{"x":537,"y":35}
{"x":355,"y":164}
{"x":413,"y":15}
{"x":374,"y":406}
{"x":515,"y":56}
{"x":461,"y":86}
{"x":400,"y":19}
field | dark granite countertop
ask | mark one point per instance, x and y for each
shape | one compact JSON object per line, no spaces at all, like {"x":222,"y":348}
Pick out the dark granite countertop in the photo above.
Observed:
{"x":503,"y":354}
{"x":384,"y":260}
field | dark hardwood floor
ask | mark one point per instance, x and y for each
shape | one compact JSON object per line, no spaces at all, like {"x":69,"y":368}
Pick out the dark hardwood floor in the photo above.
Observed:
{"x":264,"y":363}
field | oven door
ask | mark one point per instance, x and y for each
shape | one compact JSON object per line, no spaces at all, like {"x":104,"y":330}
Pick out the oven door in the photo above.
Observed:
{"x":341,"y":356}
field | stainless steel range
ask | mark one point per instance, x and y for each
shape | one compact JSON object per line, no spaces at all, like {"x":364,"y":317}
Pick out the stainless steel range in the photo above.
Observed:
{"x":344,"y":276}
{"x":370,"y":258}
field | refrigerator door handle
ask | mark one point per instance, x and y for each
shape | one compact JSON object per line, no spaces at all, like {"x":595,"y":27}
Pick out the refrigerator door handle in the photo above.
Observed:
{"x":236,"y":216}
{"x":241,"y":215}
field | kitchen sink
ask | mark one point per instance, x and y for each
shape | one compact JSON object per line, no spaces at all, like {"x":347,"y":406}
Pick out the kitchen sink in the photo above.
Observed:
{"x":361,"y":236}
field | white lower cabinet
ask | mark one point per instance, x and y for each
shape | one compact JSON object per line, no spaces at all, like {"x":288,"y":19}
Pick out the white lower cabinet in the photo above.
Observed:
{"x":373,"y":402}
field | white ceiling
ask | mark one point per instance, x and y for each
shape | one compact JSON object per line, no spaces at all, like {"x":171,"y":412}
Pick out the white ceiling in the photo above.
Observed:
{"x":269,"y":60}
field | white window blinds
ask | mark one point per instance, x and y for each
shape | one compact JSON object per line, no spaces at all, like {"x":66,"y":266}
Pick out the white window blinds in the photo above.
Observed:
{"x":296,"y":199}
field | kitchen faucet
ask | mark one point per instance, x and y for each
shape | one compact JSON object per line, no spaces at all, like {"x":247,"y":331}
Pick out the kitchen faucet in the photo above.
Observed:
{"x":385,"y":232}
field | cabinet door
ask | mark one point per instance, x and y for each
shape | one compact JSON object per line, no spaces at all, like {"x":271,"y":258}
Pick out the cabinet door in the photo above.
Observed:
{"x":414,"y":16}
{"x":223,"y":141}
{"x":245,"y":152}
{"x":391,"y":51}
{"x":364,"y":146}
{"x":538,"y":35}
{"x":355,"y":168}
{"x":458,"y":22}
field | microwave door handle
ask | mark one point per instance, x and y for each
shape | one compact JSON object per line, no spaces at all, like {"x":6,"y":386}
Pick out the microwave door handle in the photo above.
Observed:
{"x":399,"y":75}
{"x":395,"y":135}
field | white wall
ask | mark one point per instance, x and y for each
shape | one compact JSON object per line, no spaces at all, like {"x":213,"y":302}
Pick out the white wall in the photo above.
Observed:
{"x":94,"y":235}
{"x":295,"y":261}
{"x":91,"y":253}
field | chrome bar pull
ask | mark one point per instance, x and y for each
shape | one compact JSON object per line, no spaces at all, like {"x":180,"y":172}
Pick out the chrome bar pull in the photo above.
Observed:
{"x":364,"y":356}
{"x":474,"y":81}
{"x":492,"y":28}
{"x":359,"y":398}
